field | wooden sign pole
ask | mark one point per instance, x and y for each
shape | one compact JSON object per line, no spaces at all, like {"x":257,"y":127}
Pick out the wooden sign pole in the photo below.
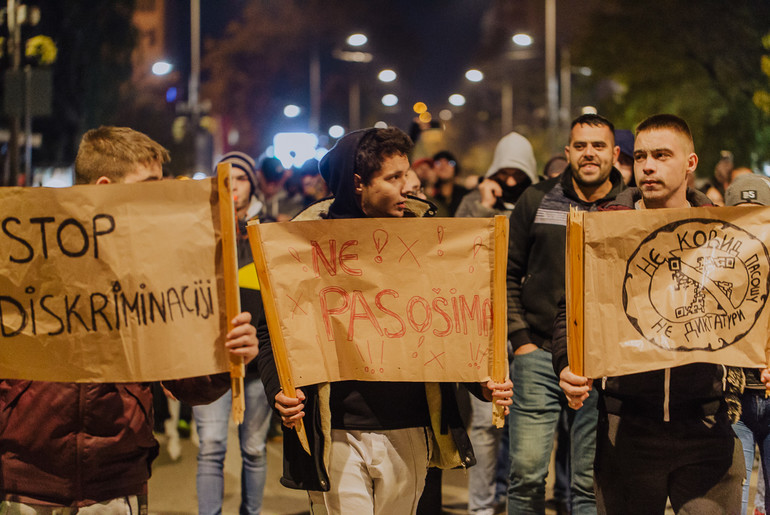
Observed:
{"x":273,"y":324}
{"x":232,"y":294}
{"x":500,"y":312}
{"x":574,"y":291}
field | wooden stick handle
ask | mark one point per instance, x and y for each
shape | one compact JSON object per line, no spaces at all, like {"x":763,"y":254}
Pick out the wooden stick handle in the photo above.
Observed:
{"x":232,"y":294}
{"x":500,"y":312}
{"x":273,"y":324}
{"x":574,"y":291}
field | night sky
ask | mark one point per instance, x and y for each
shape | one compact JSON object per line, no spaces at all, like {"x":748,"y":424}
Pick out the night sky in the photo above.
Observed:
{"x":430,"y":43}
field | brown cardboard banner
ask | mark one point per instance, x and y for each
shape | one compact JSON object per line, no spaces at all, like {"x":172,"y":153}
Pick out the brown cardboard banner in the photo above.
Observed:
{"x":670,"y":287}
{"x":382,"y":299}
{"x":111,"y":283}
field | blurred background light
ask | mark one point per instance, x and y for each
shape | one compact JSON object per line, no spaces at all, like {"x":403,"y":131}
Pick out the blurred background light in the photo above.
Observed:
{"x":522,"y":39}
{"x":162,"y":68}
{"x":387,"y":75}
{"x":294,"y":148}
{"x":474,"y":75}
{"x":357,"y":39}
{"x":389,"y":100}
{"x":291,"y":111}
{"x":457,"y":100}
{"x":336,"y":131}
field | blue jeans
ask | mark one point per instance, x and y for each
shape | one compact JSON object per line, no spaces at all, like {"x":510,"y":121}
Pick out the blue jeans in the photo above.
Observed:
{"x":212,"y":421}
{"x":485,"y":438}
{"x":537,"y":402}
{"x":754,"y":429}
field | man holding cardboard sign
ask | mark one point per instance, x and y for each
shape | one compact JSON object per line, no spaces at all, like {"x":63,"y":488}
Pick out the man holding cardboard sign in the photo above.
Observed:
{"x":663,"y":434}
{"x":371,"y":441}
{"x":89,"y":446}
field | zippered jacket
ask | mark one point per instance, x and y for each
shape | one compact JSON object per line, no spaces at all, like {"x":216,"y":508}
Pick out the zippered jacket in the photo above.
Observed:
{"x":76,"y":444}
{"x":536,"y":251}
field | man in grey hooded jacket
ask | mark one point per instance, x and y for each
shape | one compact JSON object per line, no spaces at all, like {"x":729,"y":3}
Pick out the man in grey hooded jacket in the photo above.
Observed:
{"x":513,"y":169}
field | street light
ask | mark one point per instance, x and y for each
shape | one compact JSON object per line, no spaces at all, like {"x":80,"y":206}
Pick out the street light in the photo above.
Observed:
{"x":457,"y":100}
{"x":474,"y":75}
{"x":522,"y":39}
{"x":389,"y":100}
{"x":161,"y":68}
{"x":387,"y":75}
{"x":354,"y":93}
{"x":357,"y":39}
{"x":291,"y":111}
{"x":336,"y":131}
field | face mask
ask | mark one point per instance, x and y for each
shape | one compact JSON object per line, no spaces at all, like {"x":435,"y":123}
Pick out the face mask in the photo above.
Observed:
{"x":511,"y":194}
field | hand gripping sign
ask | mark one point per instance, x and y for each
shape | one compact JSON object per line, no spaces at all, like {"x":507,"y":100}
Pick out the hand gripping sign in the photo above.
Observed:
{"x":684,"y":285}
{"x":379,"y":299}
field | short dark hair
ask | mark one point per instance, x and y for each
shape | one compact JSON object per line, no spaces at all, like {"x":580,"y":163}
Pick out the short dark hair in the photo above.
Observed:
{"x":666,"y":121}
{"x":378,"y":145}
{"x":272,"y":169}
{"x":594,"y":120}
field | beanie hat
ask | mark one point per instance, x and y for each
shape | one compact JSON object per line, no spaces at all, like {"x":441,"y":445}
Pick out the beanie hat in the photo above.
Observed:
{"x":514,"y":151}
{"x":750,"y":189}
{"x":625,"y":140}
{"x":243,"y":162}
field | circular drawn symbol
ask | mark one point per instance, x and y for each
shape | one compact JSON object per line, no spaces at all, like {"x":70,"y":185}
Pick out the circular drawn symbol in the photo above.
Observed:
{"x":696,"y":284}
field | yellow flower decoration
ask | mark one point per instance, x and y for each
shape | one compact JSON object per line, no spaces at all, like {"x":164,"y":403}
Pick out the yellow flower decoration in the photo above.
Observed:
{"x":43,"y":48}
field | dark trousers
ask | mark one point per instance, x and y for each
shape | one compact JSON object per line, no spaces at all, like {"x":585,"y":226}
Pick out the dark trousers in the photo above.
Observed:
{"x":640,"y":462}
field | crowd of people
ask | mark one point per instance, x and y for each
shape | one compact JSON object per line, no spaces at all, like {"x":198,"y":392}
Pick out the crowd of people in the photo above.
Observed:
{"x":684,"y":436}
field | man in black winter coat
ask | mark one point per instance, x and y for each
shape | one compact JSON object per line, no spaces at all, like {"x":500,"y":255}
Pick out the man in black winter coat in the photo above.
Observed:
{"x":371,"y":442}
{"x":664,"y":434}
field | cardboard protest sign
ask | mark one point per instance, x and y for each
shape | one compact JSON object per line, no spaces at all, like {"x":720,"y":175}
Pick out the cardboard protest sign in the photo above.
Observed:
{"x":111,"y":283}
{"x":383,"y":299}
{"x":663,"y":288}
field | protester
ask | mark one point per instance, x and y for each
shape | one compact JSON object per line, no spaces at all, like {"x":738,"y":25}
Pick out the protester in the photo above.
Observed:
{"x":536,"y":258}
{"x":753,"y":428}
{"x":88,"y":447}
{"x":413,"y":185}
{"x":712,"y":192}
{"x":738,"y":171}
{"x":447,"y":193}
{"x":624,"y":163}
{"x":366,"y":173}
{"x":554,"y":167}
{"x":723,"y":170}
{"x":663,"y":434}
{"x":513,"y":169}
{"x":314,"y":187}
{"x":212,"y":419}
{"x":271,"y":180}
{"x":427,"y":174}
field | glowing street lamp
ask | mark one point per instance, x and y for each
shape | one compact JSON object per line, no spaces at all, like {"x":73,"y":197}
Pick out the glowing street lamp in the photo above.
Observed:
{"x":389,"y":100}
{"x":387,"y":76}
{"x":522,"y":39}
{"x":161,"y":68}
{"x":357,"y":39}
{"x":474,"y":75}
{"x":291,"y":111}
{"x":336,"y":131}
{"x":457,"y":100}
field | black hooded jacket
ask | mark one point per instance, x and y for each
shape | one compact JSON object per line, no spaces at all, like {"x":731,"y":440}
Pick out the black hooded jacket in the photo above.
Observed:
{"x":358,"y":405}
